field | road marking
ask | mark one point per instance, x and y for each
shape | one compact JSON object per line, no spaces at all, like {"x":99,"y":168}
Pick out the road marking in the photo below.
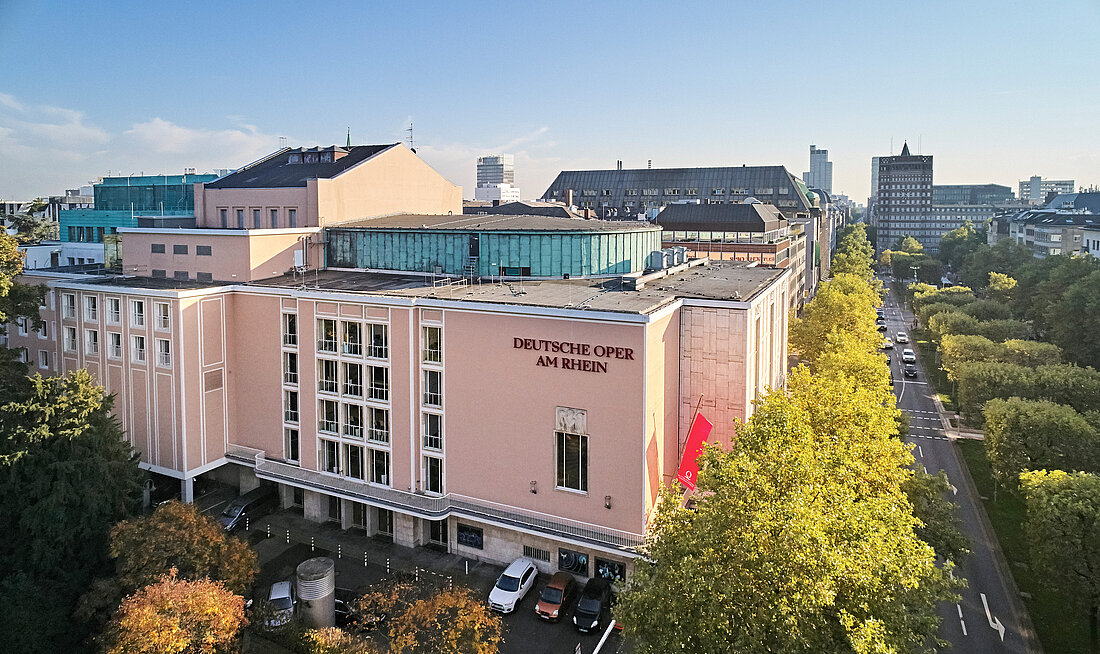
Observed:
{"x":921,"y":450}
{"x":954,"y":491}
{"x":909,"y":382}
{"x":926,"y":428}
{"x":994,"y":623}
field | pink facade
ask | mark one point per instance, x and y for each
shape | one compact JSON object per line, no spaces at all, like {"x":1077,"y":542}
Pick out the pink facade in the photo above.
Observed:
{"x":219,"y":254}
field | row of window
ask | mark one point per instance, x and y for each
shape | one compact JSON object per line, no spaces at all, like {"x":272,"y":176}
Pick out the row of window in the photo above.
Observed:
{"x":162,"y":318}
{"x":89,"y":234}
{"x":182,"y":275}
{"x":43,"y":357}
{"x":257,"y":218}
{"x":676,"y":191}
{"x":114,"y":346}
{"x":181,"y":248}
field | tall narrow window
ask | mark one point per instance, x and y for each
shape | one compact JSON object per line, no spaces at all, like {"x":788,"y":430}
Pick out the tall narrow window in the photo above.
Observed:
{"x":353,"y":379}
{"x":353,"y":339}
{"x":290,"y":406}
{"x":330,"y":456}
{"x":353,"y":421}
{"x":225,"y":218}
{"x":290,"y":368}
{"x":292,"y":217}
{"x":256,"y":218}
{"x":379,"y":345}
{"x":164,"y":353}
{"x":379,"y":383}
{"x":68,"y":305}
{"x":290,"y":329}
{"x":114,"y":345}
{"x":326,"y":335}
{"x":380,"y":467}
{"x":138,"y":354}
{"x":240,"y":218}
{"x":433,"y":475}
{"x":572,"y":461}
{"x":91,"y":342}
{"x":433,"y":388}
{"x":69,"y":341}
{"x":433,"y":431}
{"x":379,"y":424}
{"x":291,"y":449}
{"x":353,"y":461}
{"x":327,"y":376}
{"x":274,"y":218}
{"x":162,"y":319}
{"x":433,"y":345}
{"x":114,"y":310}
{"x":137,"y":313}
{"x":327,"y":416}
{"x":91,"y":308}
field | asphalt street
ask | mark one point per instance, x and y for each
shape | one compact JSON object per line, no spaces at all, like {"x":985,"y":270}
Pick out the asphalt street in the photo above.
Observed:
{"x":986,"y":619}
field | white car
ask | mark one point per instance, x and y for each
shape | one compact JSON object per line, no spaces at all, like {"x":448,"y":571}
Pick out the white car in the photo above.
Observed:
{"x":908,"y":356}
{"x":512,"y":585}
{"x":281,"y":602}
{"x":902,"y":337}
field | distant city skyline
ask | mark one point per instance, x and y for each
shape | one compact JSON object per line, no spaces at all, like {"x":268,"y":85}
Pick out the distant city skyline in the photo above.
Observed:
{"x":218,"y":91}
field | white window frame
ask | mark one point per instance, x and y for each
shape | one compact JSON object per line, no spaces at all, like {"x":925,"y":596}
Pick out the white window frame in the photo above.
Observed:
{"x":164,"y":353}
{"x":114,"y":345}
{"x":137,"y":349}
{"x":137,"y":313}
{"x":68,"y":339}
{"x":91,"y":308}
{"x":68,"y":306}
{"x":114,"y":311}
{"x":163,"y":317}
{"x":91,"y":342}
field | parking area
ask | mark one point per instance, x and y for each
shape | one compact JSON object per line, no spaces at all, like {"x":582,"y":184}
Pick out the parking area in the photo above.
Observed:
{"x":362,"y":560}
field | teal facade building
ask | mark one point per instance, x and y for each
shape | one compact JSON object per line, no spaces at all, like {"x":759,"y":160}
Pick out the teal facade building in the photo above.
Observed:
{"x":119,"y":200}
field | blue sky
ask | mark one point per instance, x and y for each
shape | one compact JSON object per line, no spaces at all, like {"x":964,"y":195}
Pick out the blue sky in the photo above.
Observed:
{"x":997,"y":91}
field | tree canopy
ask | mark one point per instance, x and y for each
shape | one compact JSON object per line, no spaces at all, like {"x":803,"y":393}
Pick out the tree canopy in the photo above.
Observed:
{"x":1037,"y":434}
{"x":447,"y":622}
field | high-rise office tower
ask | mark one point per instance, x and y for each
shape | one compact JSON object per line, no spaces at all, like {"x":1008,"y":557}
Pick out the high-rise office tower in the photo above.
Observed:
{"x":820,"y":174}
{"x":496,"y":178}
{"x":1036,"y":189}
{"x":903,"y":199}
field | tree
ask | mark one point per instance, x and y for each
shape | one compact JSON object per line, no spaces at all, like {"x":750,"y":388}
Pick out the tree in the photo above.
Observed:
{"x":1006,"y":257}
{"x":940,"y":525}
{"x":929,"y":270}
{"x":332,"y":640}
{"x":1074,"y":321}
{"x":987,"y":310}
{"x":1034,"y":434}
{"x":957,"y":244}
{"x":952,"y":322}
{"x":1003,"y":330}
{"x":1001,"y":288}
{"x":391,"y":596}
{"x":448,"y":622}
{"x":908,"y":244}
{"x":1063,"y":530}
{"x":1067,"y":384}
{"x":1031,"y":353}
{"x":32,"y":229}
{"x":981,"y":381}
{"x":956,"y":295}
{"x":177,"y":616}
{"x":846,"y":303}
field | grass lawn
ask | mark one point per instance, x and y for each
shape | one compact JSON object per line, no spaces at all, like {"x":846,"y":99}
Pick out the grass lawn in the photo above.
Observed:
{"x":936,"y":377}
{"x":1060,"y":628}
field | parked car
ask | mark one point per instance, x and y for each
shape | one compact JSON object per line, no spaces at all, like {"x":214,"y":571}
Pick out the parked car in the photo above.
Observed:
{"x":512,"y":585}
{"x":910,"y":370}
{"x":590,"y":607}
{"x":556,"y":596}
{"x":887,"y":344}
{"x":902,"y":337}
{"x":880,"y":313}
{"x":253,"y":504}
{"x":281,"y":600}
{"x":882,"y":327}
{"x":908,"y":356}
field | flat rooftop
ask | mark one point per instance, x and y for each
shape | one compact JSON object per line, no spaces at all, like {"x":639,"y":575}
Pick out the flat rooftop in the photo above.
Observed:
{"x":496,"y":222}
{"x":725,"y":280}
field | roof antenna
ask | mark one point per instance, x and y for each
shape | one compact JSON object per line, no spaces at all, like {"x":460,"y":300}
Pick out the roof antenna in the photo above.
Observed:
{"x":282,"y":142}
{"x":412,"y":144}
{"x":349,"y":136}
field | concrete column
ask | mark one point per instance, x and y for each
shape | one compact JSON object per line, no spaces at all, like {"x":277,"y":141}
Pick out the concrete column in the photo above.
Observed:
{"x":187,"y":490}
{"x":405,"y":528}
{"x":346,"y":514}
{"x":286,"y":496}
{"x":248,"y":479}
{"x":315,"y":506}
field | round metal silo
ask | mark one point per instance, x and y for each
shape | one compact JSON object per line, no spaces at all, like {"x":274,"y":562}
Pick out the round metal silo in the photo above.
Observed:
{"x":317,"y":592}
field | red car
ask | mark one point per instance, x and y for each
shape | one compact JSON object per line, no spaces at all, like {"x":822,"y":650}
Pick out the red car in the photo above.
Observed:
{"x":556,"y":596}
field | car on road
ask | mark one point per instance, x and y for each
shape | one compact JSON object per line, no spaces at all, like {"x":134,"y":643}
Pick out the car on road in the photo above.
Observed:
{"x":902,"y":337}
{"x":253,"y":504}
{"x":594,"y":599}
{"x":882,"y":327}
{"x":281,"y":602}
{"x":512,"y":585}
{"x":880,"y":313}
{"x":910,"y":370}
{"x":908,"y":356}
{"x":887,"y":344}
{"x":556,"y":596}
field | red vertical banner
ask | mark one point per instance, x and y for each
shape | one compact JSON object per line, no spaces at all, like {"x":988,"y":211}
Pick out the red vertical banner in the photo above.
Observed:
{"x":697,"y":436}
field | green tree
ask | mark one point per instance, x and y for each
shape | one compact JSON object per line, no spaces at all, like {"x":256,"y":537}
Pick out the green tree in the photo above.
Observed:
{"x":1043,"y":283}
{"x":958,"y":296}
{"x":951,"y":322}
{"x":32,"y":229}
{"x":940,"y":525}
{"x":987,"y":310}
{"x":908,"y":244}
{"x":958,"y":244}
{"x":929,"y":270}
{"x":1001,"y":288}
{"x":846,"y":303}
{"x":1031,"y":353}
{"x":1007,"y":256}
{"x":981,"y":381}
{"x":957,"y":349}
{"x":1034,"y":434}
{"x":1074,"y":321}
{"x":332,"y":640}
{"x":1063,"y":529}
{"x":926,"y":311}
{"x":1067,"y":384}
{"x":1003,"y":330}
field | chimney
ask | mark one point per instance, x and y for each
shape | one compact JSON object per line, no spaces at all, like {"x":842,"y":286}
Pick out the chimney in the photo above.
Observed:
{"x":569,"y":197}
{"x":650,"y":164}
{"x":496,"y":203}
{"x":620,"y":164}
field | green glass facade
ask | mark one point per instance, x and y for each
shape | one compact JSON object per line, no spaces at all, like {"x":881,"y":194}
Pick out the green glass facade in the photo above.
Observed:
{"x":119,"y":199}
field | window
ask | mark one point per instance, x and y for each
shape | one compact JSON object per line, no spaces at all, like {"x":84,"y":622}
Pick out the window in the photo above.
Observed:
{"x":379,"y":424}
{"x":672,"y":191}
{"x":290,"y":329}
{"x":328,"y":416}
{"x":137,"y":313}
{"x":114,"y":345}
{"x":379,"y":383}
{"x":380,"y":467}
{"x":204,"y":277}
{"x":326,"y":335}
{"x":274,"y":218}
{"x":291,"y":448}
{"x":353,"y":421}
{"x":327,"y":376}
{"x":630,"y":191}
{"x":225,"y":218}
{"x":433,"y":431}
{"x":292,"y":217}
{"x":202,"y":250}
{"x":114,"y":310}
{"x":290,"y":406}
{"x":572,"y":461}
{"x":91,"y":341}
{"x":290,"y":368}
{"x":161,"y":310}
{"x":433,"y":345}
{"x":330,"y":456}
{"x":179,"y":249}
{"x":157,"y":248}
{"x":21,"y":324}
{"x":240,"y":218}
{"x":44,"y":331}
{"x":692,"y":191}
{"x":68,"y":305}
{"x":256,"y":218}
{"x":164,"y":353}
{"x":70,"y":339}
{"x":353,"y":379}
{"x":433,"y":475}
{"x":353,"y":457}
{"x":43,"y":359}
{"x":353,"y":339}
{"x":180,"y":275}
{"x":433,"y":388}
{"x":91,"y":308}
{"x":379,"y":346}
{"x":159,"y":274}
{"x":138,"y":343}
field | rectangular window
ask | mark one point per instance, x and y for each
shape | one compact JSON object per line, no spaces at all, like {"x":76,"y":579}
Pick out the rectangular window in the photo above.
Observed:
{"x":256,"y":218}
{"x":157,"y":248}
{"x":203,"y":251}
{"x":379,"y":344}
{"x":180,"y":275}
{"x":114,"y":345}
{"x":43,"y":359}
{"x":326,"y":335}
{"x":353,"y":421}
{"x":290,"y":406}
{"x":138,"y":354}
{"x":433,"y":475}
{"x":290,"y":329}
{"x":433,"y":431}
{"x":353,"y":379}
{"x":379,"y":383}
{"x":469,"y":536}
{"x":159,"y":274}
{"x":114,"y":310}
{"x":328,"y":416}
{"x":328,"y":376}
{"x":274,"y":218}
{"x":91,"y":342}
{"x":433,"y":388}
{"x":240,"y":218}
{"x":353,"y":461}
{"x":162,"y":318}
{"x":572,"y":461}
{"x":380,"y":467}
{"x":68,"y":305}
{"x":225,"y":217}
{"x":164,"y":353}
{"x":137,"y":313}
{"x":291,"y":448}
{"x":70,"y":339}
{"x":179,"y":249}
{"x":329,"y":453}
{"x":379,"y":424}
{"x":292,"y":217}
{"x":21,"y":325}
{"x":290,"y":368}
{"x":353,"y":339}
{"x":91,"y":308}
{"x":433,"y":345}
{"x":204,"y":276}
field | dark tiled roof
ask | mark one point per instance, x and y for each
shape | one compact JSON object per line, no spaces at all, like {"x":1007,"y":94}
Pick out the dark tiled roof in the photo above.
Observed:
{"x":754,"y":217}
{"x":275,"y":171}
{"x":523,"y":207}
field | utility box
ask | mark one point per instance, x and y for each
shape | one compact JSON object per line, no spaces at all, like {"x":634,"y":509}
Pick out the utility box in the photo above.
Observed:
{"x":317,"y":592}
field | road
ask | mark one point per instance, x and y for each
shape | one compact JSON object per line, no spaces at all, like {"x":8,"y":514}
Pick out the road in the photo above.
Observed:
{"x":987,"y":609}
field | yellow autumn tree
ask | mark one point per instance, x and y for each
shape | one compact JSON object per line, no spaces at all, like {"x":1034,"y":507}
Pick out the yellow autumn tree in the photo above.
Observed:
{"x":448,"y":622}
